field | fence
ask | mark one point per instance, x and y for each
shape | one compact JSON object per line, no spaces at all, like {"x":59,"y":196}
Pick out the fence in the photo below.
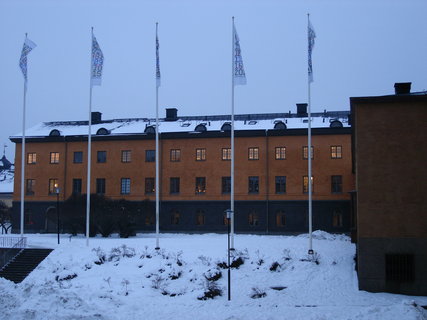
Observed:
{"x":13,"y":246}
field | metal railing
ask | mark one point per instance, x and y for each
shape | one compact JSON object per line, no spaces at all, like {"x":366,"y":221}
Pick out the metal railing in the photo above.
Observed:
{"x":13,"y":246}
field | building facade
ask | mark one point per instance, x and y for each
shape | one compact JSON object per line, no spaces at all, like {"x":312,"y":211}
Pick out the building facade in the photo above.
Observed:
{"x":271,"y":181}
{"x":389,"y":148}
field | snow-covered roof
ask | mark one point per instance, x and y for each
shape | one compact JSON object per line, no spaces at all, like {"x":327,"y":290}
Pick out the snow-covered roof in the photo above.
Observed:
{"x":187,"y":124}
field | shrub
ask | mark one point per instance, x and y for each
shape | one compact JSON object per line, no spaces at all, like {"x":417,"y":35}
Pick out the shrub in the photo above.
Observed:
{"x":258,"y":293}
{"x":275,"y":266}
{"x":211,"y":291}
{"x":213,"y":275}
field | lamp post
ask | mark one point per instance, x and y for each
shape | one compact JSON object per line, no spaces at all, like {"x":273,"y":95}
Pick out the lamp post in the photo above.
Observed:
{"x":229,"y":214}
{"x":57,"y":190}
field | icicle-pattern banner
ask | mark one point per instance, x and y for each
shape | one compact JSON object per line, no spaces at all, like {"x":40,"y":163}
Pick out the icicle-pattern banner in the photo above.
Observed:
{"x":26,"y":49}
{"x":311,"y":36}
{"x":157,"y":62}
{"x":239,"y":71}
{"x":97,"y":63}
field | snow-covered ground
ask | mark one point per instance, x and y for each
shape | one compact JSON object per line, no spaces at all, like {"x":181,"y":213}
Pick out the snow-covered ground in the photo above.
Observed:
{"x":117,"y":278}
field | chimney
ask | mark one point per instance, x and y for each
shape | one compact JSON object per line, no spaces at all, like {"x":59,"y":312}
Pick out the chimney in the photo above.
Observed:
{"x":402,"y":87}
{"x":96,"y":117}
{"x":171,"y":114}
{"x":302,"y":109}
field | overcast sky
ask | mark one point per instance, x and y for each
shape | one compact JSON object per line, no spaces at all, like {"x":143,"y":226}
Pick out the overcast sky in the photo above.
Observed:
{"x":362,"y":48}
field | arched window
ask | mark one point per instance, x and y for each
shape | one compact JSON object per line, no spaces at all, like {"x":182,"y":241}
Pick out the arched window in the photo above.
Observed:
{"x":150,"y":130}
{"x":102,"y":132}
{"x":280,"y":125}
{"x":253,"y":218}
{"x":226,"y":126}
{"x":200,"y":128}
{"x":335,"y":124}
{"x":54,"y":133}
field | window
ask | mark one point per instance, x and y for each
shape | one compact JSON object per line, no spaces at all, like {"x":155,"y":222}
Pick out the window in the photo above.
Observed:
{"x":29,"y":187}
{"x":305,"y":152}
{"x":200,"y":185}
{"x":149,"y":219}
{"x":337,"y":218}
{"x":175,"y":155}
{"x":53,"y":184}
{"x":28,"y":217}
{"x":77,"y":186}
{"x":226,"y":153}
{"x":101,"y":157}
{"x":78,"y":157}
{"x":126,"y":155}
{"x":280,"y":184}
{"x":226,"y":185}
{"x":54,"y":157}
{"x":150,"y":155}
{"x":200,"y":154}
{"x":399,"y":267}
{"x":336,"y":184}
{"x":125,"y":186}
{"x":253,"y":184}
{"x":253,"y":218}
{"x":253,"y":153}
{"x":174,"y":185}
{"x":175,"y":217}
{"x":100,"y":186}
{"x":305,"y":184}
{"x":280,"y":218}
{"x":280,"y":153}
{"x":200,"y":218}
{"x":149,"y":185}
{"x":336,"y":152}
{"x":32,"y":158}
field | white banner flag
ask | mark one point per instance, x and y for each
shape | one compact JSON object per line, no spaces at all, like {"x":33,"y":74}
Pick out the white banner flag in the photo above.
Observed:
{"x":28,"y":46}
{"x":239,"y":76}
{"x":97,"y":63}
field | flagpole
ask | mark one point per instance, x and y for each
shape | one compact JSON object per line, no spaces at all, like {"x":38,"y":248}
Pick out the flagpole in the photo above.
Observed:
{"x":231,"y":221}
{"x":23,"y":155}
{"x":157,"y":149}
{"x":310,"y":207}
{"x":89,"y":148}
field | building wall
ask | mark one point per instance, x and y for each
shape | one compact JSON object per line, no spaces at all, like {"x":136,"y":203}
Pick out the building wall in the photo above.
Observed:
{"x":266,"y":201}
{"x":390,"y":144}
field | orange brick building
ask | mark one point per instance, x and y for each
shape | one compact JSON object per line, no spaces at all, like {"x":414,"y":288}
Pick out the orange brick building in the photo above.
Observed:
{"x":270,"y":169}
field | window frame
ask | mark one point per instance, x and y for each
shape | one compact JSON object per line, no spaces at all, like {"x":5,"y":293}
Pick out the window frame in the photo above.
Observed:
{"x":280,"y":183}
{"x":101,"y":156}
{"x":305,"y":152}
{"x":149,"y":184}
{"x":31,"y":157}
{"x":125,"y":186}
{"x":30,"y":186}
{"x":253,"y":185}
{"x":150,"y":155}
{"x":75,"y":183}
{"x":175,"y":155}
{"x":201,"y":154}
{"x":54,"y":158}
{"x":126,"y":156}
{"x":226,"y":184}
{"x":280,"y":219}
{"x":305,"y":184}
{"x":52,"y":183}
{"x":280,"y":153}
{"x":336,"y":184}
{"x":226,"y":154}
{"x":336,"y":152}
{"x":253,"y":153}
{"x":101,"y":183}
{"x":174,"y":185}
{"x":76,"y":158}
{"x":200,"y":186}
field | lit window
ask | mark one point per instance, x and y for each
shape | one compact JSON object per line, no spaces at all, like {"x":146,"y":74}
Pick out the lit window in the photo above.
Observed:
{"x":305,"y":184}
{"x":253,"y":153}
{"x":32,"y":158}
{"x":200,"y":185}
{"x":175,"y":155}
{"x":226,"y":154}
{"x":53,"y":184}
{"x":336,"y":152}
{"x":54,"y":157}
{"x":280,"y":153}
{"x":126,"y":155}
{"x":200,"y":154}
{"x":305,"y":153}
{"x":125,"y":186}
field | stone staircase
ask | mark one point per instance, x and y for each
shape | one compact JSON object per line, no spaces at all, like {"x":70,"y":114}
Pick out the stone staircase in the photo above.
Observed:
{"x":22,"y":265}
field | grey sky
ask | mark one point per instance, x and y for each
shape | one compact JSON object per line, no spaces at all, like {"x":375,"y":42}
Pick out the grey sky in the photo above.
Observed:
{"x":362,"y":48}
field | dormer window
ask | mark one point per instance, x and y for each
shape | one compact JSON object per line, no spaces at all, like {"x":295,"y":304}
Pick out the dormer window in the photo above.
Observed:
{"x":280,"y":125}
{"x":102,"y":132}
{"x":252,"y":122}
{"x":335,"y":124}
{"x":200,"y":127}
{"x":54,"y":133}
{"x":226,"y":126}
{"x":150,"y":130}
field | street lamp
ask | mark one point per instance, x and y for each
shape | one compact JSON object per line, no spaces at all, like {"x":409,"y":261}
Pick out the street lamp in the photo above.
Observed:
{"x":229,"y":214}
{"x":57,"y":190}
